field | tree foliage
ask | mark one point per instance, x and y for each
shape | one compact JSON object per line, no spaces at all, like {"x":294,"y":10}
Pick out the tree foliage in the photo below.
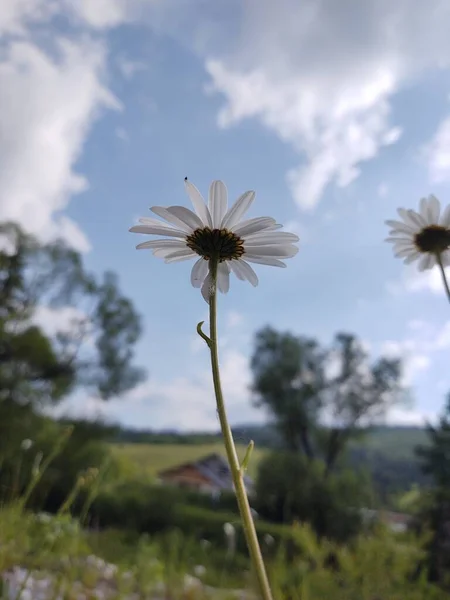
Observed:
{"x":435,"y":462}
{"x":303,"y":386}
{"x":43,"y":362}
{"x":292,"y":488}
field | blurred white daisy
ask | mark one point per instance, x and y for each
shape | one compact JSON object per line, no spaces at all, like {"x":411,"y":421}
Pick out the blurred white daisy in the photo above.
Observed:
{"x":216,"y":231}
{"x":423,"y":235}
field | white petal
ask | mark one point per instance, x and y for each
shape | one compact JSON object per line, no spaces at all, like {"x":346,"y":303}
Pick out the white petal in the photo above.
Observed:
{"x":149,"y":221}
{"x":206,"y":288}
{"x":164,"y":213}
{"x":404,"y":244}
{"x":160,"y":230}
{"x":417,"y":219}
{"x":423,"y":207}
{"x":239,"y":208}
{"x":223,"y":277}
{"x":434,"y":209}
{"x":187,"y":216}
{"x":264,"y":260}
{"x":198,"y":203}
{"x":396,"y":238}
{"x":445,"y":219}
{"x":162,"y":252}
{"x":218,"y":202}
{"x":426,"y":262}
{"x":253,"y":225}
{"x":173,"y":244}
{"x":412,"y":257}
{"x":271,"y":237}
{"x":404,"y":252}
{"x":179,"y":255}
{"x":199,"y":272}
{"x":399,"y":226}
{"x":411,"y":218}
{"x":238,"y":273}
{"x":278,"y":251}
{"x":243,"y":270}
{"x":446,"y":258}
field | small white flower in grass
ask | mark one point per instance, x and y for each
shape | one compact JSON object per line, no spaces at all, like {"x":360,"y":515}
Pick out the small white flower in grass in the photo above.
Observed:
{"x":215,"y":231}
{"x":423,"y":235}
{"x":26,"y":444}
{"x":199,"y":570}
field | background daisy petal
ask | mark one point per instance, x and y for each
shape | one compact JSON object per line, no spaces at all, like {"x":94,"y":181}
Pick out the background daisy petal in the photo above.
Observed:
{"x":445,"y":219}
{"x":434,"y":209}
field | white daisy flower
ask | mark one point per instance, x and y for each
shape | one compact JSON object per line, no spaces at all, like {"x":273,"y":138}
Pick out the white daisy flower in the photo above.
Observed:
{"x":216,"y":231}
{"x":422,"y":236}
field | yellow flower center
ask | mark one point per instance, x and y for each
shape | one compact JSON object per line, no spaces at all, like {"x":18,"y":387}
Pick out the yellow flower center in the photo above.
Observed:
{"x":434,"y":239}
{"x":216,"y":243}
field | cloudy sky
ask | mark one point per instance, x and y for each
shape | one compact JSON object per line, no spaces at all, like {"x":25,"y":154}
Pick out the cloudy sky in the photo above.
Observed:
{"x":336,"y":113}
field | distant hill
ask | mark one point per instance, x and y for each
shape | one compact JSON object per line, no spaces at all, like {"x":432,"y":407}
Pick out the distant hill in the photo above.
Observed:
{"x":395,"y":442}
{"x":387,"y":453}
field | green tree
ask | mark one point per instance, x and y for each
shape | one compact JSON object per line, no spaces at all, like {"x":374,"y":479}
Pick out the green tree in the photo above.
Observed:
{"x":303,"y":385}
{"x":95,"y":351}
{"x":40,"y":366}
{"x":435,"y":462}
{"x":292,"y":488}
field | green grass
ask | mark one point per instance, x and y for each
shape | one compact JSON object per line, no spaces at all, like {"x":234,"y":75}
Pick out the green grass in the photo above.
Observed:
{"x":143,"y":461}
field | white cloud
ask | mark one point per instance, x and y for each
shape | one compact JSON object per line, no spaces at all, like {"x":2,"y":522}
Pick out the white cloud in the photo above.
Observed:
{"x":48,"y":106}
{"x":415,"y":359}
{"x":430,"y":281}
{"x":185,"y":403}
{"x":234,"y":318}
{"x":383,"y":190}
{"x":16,"y":14}
{"x":413,"y":281}
{"x":122,"y":134}
{"x":321,"y":77}
{"x":59,"y":320}
{"x":129,"y":67}
{"x":49,"y":101}
{"x":437,"y":153}
{"x":418,"y":348}
{"x":409,"y":417}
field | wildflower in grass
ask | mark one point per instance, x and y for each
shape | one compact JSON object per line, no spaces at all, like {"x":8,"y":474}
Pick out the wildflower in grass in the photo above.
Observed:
{"x":223,"y":243}
{"x":199,"y":570}
{"x":230,"y":537}
{"x":216,"y":232}
{"x":423,"y":236}
{"x":26,"y":445}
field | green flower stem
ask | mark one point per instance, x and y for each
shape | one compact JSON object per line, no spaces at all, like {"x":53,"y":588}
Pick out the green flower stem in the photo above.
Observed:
{"x":236,"y":471}
{"x":444,"y":277}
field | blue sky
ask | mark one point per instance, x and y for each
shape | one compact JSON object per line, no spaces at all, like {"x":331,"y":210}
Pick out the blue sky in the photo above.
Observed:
{"x":335,"y":116}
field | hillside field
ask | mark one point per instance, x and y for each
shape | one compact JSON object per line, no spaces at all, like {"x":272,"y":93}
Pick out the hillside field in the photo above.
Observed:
{"x":143,"y":461}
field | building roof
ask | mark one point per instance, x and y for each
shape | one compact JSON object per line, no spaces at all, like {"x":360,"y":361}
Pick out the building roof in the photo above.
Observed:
{"x":212,"y":466}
